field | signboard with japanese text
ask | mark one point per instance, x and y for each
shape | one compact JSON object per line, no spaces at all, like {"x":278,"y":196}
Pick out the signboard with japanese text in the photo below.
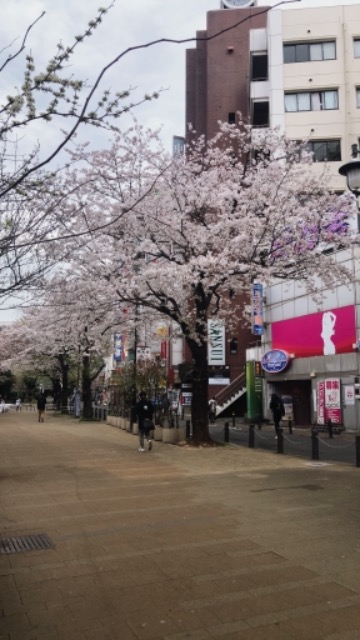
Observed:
{"x":333,"y":400}
{"x":329,"y":401}
{"x":143,"y":353}
{"x":216,"y":342}
{"x":320,"y":405}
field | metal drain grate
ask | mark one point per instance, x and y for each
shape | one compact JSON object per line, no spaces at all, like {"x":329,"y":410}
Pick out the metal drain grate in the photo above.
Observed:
{"x":19,"y":544}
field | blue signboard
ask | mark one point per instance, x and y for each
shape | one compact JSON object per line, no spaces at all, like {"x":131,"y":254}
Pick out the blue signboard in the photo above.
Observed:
{"x":275,"y":361}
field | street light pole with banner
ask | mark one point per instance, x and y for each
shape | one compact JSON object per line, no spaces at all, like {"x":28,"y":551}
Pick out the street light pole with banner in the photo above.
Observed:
{"x":257,"y":309}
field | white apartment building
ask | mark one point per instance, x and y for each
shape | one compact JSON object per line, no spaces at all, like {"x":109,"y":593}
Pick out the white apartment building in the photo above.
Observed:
{"x":313,"y":93}
{"x":312,"y":88}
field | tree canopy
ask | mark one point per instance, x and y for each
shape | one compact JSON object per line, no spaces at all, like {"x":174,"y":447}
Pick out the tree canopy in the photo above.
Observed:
{"x":171,"y":238}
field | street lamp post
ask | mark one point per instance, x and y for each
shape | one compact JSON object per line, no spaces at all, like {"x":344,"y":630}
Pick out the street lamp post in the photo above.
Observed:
{"x":351,"y":170}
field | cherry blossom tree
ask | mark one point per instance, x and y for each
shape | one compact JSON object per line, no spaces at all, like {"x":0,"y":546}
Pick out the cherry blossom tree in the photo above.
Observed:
{"x":68,"y":328}
{"x":180,"y":235}
{"x":54,"y":98}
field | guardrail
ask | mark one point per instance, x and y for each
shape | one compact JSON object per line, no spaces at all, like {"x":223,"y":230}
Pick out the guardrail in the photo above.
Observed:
{"x":311,"y":444}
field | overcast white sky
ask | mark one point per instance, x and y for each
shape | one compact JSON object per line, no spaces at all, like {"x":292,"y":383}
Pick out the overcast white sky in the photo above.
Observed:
{"x":128,"y":23}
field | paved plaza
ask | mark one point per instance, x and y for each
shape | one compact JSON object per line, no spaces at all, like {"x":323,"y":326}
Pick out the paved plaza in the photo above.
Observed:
{"x":173,"y":544}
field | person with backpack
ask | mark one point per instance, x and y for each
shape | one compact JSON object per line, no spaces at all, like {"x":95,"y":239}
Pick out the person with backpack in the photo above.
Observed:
{"x":144,"y":411}
{"x":278,"y":410}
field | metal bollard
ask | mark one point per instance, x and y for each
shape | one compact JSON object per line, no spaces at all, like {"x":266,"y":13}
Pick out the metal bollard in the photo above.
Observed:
{"x":357,"y":441}
{"x":226,"y":432}
{"x":251,"y":436}
{"x":187,"y":430}
{"x":314,"y":444}
{"x":233,"y":419}
{"x":290,"y":427}
{"x":280,"y":441}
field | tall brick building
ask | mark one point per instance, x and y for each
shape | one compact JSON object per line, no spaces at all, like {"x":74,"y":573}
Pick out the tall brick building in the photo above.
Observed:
{"x":218,"y":75}
{"x":219,"y":69}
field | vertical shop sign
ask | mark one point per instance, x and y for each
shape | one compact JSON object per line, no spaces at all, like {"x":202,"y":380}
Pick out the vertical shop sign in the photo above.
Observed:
{"x":254,"y":394}
{"x":118,"y":347}
{"x":349,"y":394}
{"x":333,"y":401}
{"x":216,"y":342}
{"x":321,"y":403}
{"x":257,"y":313}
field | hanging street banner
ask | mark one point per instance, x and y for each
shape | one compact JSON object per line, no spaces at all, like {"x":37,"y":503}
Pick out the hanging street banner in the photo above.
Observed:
{"x":118,"y":347}
{"x":216,"y":342}
{"x":257,"y":309}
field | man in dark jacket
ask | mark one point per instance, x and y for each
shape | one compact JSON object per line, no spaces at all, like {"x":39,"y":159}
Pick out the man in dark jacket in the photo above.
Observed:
{"x":144,"y":412}
{"x":41,"y":404}
{"x":278,"y":411}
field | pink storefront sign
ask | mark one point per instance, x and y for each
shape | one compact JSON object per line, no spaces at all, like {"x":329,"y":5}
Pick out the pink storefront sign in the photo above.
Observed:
{"x":329,"y":401}
{"x":327,"y":333}
{"x":333,"y":401}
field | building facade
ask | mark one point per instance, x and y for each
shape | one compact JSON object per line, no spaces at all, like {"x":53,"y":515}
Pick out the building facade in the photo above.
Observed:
{"x":297,"y":69}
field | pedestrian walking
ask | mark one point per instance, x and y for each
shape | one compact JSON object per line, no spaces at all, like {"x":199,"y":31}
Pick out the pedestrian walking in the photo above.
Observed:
{"x":144,"y":412}
{"x":278,"y":410}
{"x":18,"y":404}
{"x":77,"y":403}
{"x":41,"y":404}
{"x":212,"y":409}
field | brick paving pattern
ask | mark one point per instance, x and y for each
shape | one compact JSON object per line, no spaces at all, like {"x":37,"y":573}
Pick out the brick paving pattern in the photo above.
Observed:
{"x":173,"y":544}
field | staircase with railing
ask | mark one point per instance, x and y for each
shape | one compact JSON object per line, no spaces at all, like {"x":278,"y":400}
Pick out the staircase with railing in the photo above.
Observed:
{"x":230,"y":393}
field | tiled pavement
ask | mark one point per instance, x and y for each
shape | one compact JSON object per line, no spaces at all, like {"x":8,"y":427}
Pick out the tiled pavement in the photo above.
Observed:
{"x":176,"y":544}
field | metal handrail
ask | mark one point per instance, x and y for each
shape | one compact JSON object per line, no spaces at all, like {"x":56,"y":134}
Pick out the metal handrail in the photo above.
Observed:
{"x":230,"y":389}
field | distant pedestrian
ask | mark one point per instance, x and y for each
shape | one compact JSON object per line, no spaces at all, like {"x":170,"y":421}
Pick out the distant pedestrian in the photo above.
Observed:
{"x":212,"y":409}
{"x":41,"y":404}
{"x":18,"y":404}
{"x":144,"y":411}
{"x":77,"y":403}
{"x":278,"y":410}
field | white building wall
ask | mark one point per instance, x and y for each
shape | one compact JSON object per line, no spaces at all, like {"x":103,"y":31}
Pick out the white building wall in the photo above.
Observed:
{"x":314,"y":24}
{"x":287,"y":300}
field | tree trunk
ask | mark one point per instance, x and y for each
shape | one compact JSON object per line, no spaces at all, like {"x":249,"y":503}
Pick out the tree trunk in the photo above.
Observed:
{"x":86,"y":389}
{"x":199,"y":405}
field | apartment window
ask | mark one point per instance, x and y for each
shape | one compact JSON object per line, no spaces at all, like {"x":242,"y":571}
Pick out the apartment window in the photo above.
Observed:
{"x":356,"y":47}
{"x":358,"y":98}
{"x":259,"y":67}
{"x":309,"y":51}
{"x":325,"y":150}
{"x":311,"y":101}
{"x":260,"y":114}
{"x":232,"y":117}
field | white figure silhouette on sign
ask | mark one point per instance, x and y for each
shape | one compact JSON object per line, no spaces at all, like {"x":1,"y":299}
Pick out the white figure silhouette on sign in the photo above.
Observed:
{"x":328,"y":330}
